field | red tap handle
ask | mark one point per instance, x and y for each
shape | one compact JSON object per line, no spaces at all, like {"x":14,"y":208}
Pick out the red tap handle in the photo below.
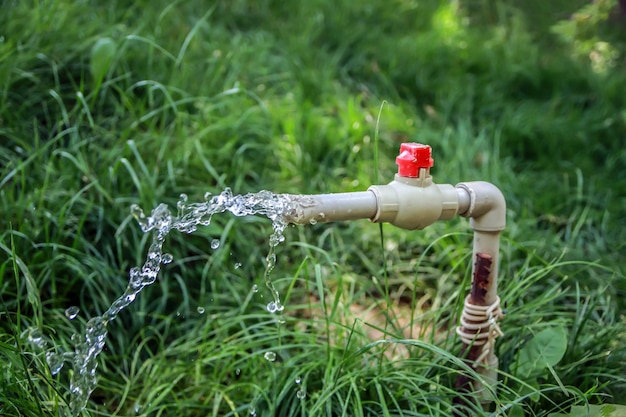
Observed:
{"x":413,"y":157}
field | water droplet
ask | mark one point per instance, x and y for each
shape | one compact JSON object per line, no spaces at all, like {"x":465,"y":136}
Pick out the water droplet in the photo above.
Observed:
{"x":34,"y":336}
{"x":270,"y":356}
{"x":167,"y":258}
{"x":183,"y":198}
{"x":201,"y":310}
{"x":72,"y":312}
{"x":313,"y":221}
{"x":301,"y":394}
{"x":141,"y":218}
{"x":252,"y":412}
{"x":215,"y":243}
{"x":55,"y":362}
{"x":298,"y":379}
{"x":274,"y":306}
{"x":237,"y":265}
{"x":135,"y":280}
{"x":255,"y":288}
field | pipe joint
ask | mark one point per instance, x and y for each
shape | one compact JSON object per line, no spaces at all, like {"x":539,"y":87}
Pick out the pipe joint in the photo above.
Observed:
{"x":484,"y":204}
{"x":414,"y":203}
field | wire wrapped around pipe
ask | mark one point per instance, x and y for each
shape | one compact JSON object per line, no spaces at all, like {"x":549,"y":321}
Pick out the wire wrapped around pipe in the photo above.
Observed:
{"x":479,"y":327}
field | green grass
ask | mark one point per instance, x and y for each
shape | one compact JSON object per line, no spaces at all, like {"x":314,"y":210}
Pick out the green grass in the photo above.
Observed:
{"x":192,"y":98}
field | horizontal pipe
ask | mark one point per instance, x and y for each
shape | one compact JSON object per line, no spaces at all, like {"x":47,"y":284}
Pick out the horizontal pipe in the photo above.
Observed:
{"x":408,"y":203}
{"x":333,"y":207}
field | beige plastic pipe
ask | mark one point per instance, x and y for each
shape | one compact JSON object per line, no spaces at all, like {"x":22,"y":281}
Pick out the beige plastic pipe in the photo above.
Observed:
{"x":487,"y":213}
{"x":412,"y":201}
{"x":403,"y":202}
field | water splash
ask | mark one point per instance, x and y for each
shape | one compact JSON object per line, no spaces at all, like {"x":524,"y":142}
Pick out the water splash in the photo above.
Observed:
{"x":277,"y":207}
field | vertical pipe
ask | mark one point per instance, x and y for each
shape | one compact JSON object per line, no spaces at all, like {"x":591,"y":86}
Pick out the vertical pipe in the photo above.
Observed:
{"x":486,"y":209}
{"x":486,"y":244}
{"x":482,"y":288}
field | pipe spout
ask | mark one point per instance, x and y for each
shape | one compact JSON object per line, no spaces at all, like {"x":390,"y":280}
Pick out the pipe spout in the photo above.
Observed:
{"x":333,"y":207}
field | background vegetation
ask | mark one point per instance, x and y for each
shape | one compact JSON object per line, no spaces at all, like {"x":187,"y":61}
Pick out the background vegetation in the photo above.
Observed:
{"x":107,"y":104}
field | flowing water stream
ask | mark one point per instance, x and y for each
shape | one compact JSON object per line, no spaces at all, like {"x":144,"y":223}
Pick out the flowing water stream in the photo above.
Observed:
{"x":277,"y":207}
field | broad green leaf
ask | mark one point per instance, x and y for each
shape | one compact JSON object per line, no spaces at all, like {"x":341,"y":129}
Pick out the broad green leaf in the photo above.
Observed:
{"x":531,"y":391}
{"x":545,"y":349}
{"x":516,"y":411}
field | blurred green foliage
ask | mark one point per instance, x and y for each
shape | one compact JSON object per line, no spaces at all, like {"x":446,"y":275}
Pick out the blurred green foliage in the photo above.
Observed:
{"x":104,"y":105}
